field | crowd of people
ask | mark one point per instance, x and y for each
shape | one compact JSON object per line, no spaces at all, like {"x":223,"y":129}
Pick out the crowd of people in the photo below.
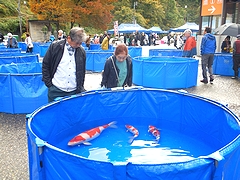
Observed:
{"x":63,"y":66}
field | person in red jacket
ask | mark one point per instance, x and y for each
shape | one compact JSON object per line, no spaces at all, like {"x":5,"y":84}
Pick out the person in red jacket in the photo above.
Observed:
{"x":236,"y":57}
{"x":189,"y":49}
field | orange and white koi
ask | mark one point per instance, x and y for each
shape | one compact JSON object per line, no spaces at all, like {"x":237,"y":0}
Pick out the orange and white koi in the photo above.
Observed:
{"x":155,"y":132}
{"x":132,"y":130}
{"x":85,"y":137}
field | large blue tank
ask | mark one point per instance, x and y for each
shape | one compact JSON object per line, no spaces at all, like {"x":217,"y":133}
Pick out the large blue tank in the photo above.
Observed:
{"x":200,"y":138}
{"x":22,"y":88}
{"x":165,"y":72}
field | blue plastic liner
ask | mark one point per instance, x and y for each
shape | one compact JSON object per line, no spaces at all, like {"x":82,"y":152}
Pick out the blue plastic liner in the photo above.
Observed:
{"x":18,"y":58}
{"x":95,"y":60}
{"x":215,"y":125}
{"x":134,"y":51}
{"x":165,"y":52}
{"x":165,"y":72}
{"x":22,"y":89}
{"x":43,"y":49}
{"x":10,"y":50}
{"x":36,"y":47}
{"x":223,"y":64}
{"x":95,"y":47}
{"x":22,"y":45}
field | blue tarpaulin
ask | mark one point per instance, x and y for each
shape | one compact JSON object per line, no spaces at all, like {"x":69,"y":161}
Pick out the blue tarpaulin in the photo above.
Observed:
{"x":223,"y":64}
{"x":18,"y":58}
{"x":22,"y":89}
{"x":95,"y":60}
{"x":49,"y":128}
{"x":165,"y":52}
{"x":165,"y":72}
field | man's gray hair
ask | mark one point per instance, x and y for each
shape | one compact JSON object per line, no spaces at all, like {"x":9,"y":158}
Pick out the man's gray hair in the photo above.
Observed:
{"x":77,"y":34}
{"x":187,"y":31}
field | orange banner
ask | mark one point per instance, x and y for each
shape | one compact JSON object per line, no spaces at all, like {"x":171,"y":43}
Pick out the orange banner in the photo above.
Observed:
{"x":211,"y":7}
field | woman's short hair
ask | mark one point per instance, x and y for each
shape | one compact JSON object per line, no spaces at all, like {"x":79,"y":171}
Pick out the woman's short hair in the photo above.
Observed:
{"x":120,"y":49}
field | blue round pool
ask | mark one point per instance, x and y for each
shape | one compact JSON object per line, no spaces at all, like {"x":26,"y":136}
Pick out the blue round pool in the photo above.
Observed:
{"x":165,"y":72}
{"x":195,"y":143}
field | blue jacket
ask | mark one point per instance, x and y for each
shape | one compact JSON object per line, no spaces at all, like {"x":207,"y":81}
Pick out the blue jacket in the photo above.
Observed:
{"x":14,"y":43}
{"x":208,"y":45}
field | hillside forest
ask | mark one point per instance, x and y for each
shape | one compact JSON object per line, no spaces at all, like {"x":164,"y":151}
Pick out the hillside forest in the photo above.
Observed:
{"x":97,"y":15}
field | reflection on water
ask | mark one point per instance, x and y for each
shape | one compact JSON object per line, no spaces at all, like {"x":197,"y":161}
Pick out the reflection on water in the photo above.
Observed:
{"x":112,"y":146}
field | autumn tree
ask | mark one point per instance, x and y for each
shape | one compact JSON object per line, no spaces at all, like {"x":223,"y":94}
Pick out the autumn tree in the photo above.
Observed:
{"x":83,"y":12}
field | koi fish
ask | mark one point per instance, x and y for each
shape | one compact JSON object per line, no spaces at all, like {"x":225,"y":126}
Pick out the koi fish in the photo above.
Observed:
{"x":91,"y":134}
{"x":132,"y":130}
{"x":155,"y":132}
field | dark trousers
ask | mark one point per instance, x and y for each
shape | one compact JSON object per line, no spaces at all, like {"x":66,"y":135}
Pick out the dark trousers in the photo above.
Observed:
{"x":54,"y":92}
{"x":236,"y":64}
{"x":207,"y":62}
{"x":29,"y":50}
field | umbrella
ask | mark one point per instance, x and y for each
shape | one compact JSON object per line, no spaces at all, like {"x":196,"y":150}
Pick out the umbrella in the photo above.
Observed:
{"x":231,"y":29}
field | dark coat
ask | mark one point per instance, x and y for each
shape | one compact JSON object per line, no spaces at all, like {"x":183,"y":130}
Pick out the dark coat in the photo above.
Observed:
{"x":52,"y":59}
{"x":109,"y":78}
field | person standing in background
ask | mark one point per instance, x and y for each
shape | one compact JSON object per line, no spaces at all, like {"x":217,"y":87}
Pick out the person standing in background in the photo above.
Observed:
{"x":105,"y":43}
{"x":61,"y":35}
{"x":189,"y":49}
{"x":236,"y":57}
{"x":12,"y":41}
{"x":226,"y":45}
{"x":208,"y":48}
{"x":88,"y":41}
{"x":28,"y":42}
{"x":64,"y":65}
{"x":1,"y":37}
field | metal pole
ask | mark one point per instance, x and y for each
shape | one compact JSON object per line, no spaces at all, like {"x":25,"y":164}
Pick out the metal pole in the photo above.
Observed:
{"x":134,"y":10}
{"x":20,"y":18}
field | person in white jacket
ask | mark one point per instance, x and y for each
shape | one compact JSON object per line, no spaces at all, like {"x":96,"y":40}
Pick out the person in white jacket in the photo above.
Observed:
{"x":29,"y":43}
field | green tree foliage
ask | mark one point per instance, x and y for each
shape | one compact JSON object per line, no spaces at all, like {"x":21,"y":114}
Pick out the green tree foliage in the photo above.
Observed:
{"x":100,"y":14}
{"x":9,"y":21}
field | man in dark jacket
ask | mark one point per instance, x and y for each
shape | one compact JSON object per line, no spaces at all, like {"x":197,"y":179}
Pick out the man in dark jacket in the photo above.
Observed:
{"x":236,"y":57}
{"x":208,"y":48}
{"x":64,"y":65}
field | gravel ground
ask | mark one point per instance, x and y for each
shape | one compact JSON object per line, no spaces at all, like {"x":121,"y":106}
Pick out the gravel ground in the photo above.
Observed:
{"x":13,"y":142}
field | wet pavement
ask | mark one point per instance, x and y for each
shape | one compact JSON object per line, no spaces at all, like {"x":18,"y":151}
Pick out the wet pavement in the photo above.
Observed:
{"x":13,"y":141}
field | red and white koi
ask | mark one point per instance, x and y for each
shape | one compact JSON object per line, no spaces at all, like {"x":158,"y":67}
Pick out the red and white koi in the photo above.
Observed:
{"x":132,"y":130}
{"x":85,"y":137}
{"x":155,"y":132}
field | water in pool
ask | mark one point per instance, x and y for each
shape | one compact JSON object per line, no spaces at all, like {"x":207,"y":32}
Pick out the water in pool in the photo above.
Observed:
{"x":113,"y":146}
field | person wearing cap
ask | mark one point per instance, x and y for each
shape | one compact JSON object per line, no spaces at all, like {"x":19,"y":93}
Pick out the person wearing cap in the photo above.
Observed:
{"x":236,"y":57}
{"x":61,"y":35}
{"x":12,"y":41}
{"x":208,"y":48}
{"x":226,"y":45}
{"x":64,"y":65}
{"x":189,"y":49}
